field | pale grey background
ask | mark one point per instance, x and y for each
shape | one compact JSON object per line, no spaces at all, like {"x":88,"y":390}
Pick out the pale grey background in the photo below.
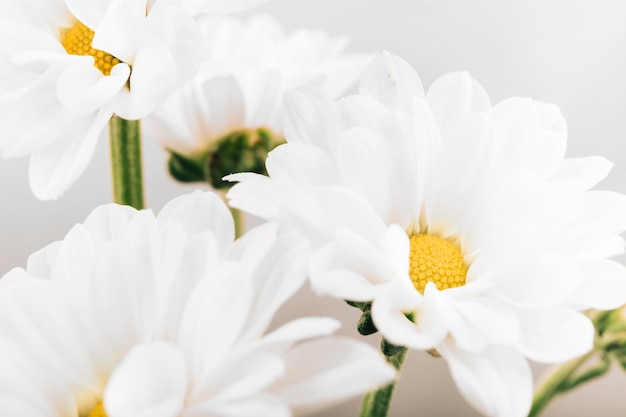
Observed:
{"x":569,"y":52}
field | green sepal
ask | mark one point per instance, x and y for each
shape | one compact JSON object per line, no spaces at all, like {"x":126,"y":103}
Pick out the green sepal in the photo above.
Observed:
{"x":389,"y":349}
{"x":366,"y":325}
{"x":184,"y":168}
{"x":361,"y":305}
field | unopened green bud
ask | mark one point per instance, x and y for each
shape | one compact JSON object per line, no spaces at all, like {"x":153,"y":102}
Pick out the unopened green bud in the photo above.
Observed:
{"x":241,"y":151}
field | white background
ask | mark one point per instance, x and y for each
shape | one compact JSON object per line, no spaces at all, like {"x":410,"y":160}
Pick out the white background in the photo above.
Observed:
{"x":568,"y":52}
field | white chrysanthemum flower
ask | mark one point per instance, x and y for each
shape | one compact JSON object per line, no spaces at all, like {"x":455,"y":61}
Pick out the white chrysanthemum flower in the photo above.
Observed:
{"x":137,"y":315}
{"x":462,"y":222}
{"x":66,"y":66}
{"x":241,"y":84}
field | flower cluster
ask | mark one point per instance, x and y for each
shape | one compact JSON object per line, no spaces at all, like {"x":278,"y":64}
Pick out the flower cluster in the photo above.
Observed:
{"x":459,"y":224}
{"x":144,"y":315}
{"x":237,"y":95}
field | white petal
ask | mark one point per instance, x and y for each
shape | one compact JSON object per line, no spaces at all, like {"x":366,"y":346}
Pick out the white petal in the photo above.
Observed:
{"x":36,"y":313}
{"x":478,"y":322}
{"x":497,"y":382}
{"x":152,"y":79}
{"x":452,"y":189}
{"x":200,"y":211}
{"x":83,"y":89}
{"x":116,"y":30}
{"x":227,"y":293}
{"x":555,"y":335}
{"x":89,"y":12}
{"x":582,"y":173}
{"x":352,"y":269}
{"x":453,"y":97}
{"x":302,"y":328}
{"x":109,"y":222}
{"x":366,"y":160}
{"x":239,"y":377}
{"x":532,"y":135}
{"x":223,"y":107}
{"x":258,"y":406}
{"x":539,"y":282}
{"x":325,"y":371}
{"x":603,"y":285}
{"x":301,"y":164}
{"x":308,"y":117}
{"x":276,"y":277}
{"x":388,"y":311}
{"x":121,"y":277}
{"x":54,"y":169}
{"x":392,"y":81}
{"x":151,"y":381}
{"x":41,"y":263}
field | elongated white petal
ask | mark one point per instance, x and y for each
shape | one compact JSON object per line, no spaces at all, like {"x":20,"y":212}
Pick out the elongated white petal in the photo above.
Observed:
{"x":555,"y":335}
{"x":603,"y":285}
{"x":156,"y":375}
{"x":82,"y":89}
{"x":392,"y":81}
{"x":453,"y":97}
{"x":54,"y":169}
{"x":497,"y":382}
{"x":322,"y":372}
{"x":198,"y":212}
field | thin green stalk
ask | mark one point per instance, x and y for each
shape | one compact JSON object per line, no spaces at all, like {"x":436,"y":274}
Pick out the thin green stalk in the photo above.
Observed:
{"x":557,"y":380}
{"x":125,"y":142}
{"x":240,"y":221}
{"x":376,"y":403}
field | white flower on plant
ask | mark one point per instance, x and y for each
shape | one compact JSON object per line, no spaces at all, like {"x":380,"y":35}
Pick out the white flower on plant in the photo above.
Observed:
{"x":66,"y":66}
{"x":240,"y":85}
{"x":143,"y":315}
{"x":462,"y":222}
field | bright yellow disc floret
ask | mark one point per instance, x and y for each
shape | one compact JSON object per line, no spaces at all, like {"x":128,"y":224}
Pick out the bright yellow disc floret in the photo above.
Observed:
{"x":98,"y":411}
{"x":434,"y":259}
{"x":77,"y":41}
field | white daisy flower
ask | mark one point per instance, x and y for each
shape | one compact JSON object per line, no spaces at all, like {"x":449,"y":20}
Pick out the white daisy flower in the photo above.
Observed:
{"x":462,"y":222}
{"x":240,"y":86}
{"x":140,"y":315}
{"x":66,"y":66}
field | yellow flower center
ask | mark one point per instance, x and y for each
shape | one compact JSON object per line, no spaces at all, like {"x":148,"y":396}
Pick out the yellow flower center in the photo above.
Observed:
{"x":98,"y":411}
{"x":437,"y":260}
{"x":77,"y":41}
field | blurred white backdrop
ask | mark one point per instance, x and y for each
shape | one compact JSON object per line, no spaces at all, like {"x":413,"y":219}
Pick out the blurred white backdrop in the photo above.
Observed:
{"x":568,"y":52}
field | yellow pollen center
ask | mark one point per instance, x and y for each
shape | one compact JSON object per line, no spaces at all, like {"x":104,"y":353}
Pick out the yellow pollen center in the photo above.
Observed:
{"x":77,"y":41}
{"x":98,"y":411}
{"x":434,"y":259}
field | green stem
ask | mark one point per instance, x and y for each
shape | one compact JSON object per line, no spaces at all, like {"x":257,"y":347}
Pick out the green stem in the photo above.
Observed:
{"x":376,"y":403}
{"x":240,"y":223}
{"x":557,"y":380}
{"x":125,"y":142}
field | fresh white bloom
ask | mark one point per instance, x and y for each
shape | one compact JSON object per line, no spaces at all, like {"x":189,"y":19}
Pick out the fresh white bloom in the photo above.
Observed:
{"x":240,"y":86}
{"x":462,"y":222}
{"x":163,"y":316}
{"x":66,"y":66}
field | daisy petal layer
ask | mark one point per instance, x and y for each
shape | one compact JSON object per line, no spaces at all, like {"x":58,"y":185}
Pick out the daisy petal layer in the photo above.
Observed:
{"x":461,"y":221}
{"x":137,"y":314}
